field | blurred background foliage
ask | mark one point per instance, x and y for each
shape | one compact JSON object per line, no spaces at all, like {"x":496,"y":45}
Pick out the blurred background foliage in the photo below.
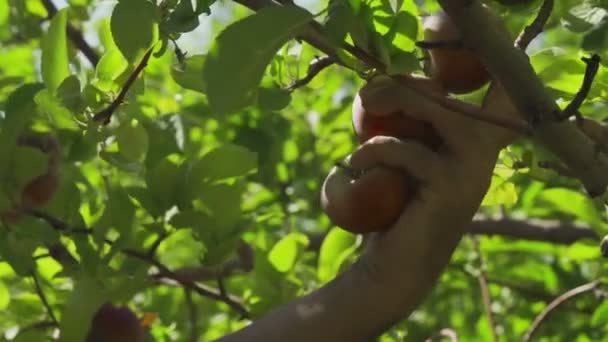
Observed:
{"x":239,"y":186}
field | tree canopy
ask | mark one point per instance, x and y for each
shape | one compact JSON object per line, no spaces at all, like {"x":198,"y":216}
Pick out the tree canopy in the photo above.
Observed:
{"x":193,"y":138}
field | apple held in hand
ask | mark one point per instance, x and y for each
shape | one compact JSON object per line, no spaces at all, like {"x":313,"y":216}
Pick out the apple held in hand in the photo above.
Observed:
{"x":395,"y":124}
{"x":364,"y":201}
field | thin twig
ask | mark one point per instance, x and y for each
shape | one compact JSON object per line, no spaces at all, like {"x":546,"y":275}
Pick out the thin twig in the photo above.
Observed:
{"x":593,"y":65}
{"x":105,"y":115}
{"x":483,"y":287}
{"x":315,"y":67}
{"x":231,"y":301}
{"x":161,"y":237}
{"x":555,"y":304}
{"x":43,"y":299}
{"x":234,"y":303}
{"x":536,"y":27}
{"x":242,"y":263}
{"x":74,"y":35}
{"x":313,"y":35}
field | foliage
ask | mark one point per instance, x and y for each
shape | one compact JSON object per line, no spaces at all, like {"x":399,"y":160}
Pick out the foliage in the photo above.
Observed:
{"x":211,"y":159}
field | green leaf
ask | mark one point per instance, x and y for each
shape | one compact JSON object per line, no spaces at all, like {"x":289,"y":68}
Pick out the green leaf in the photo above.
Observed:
{"x":273,"y":98}
{"x":162,"y":181}
{"x":284,"y":253}
{"x":111,"y":65}
{"x":183,"y":18}
{"x":572,"y":202}
{"x":188,"y":74}
{"x":132,"y":140}
{"x":51,"y":106}
{"x":17,"y":252}
{"x":54,"y":60}
{"x":134,"y":26}
{"x":28,"y":163}
{"x":232,"y":82}
{"x":600,"y":315}
{"x":337,"y":246}
{"x":5,"y":296}
{"x":20,"y":109}
{"x":225,"y":162}
{"x":501,"y":192}
{"x":69,"y":94}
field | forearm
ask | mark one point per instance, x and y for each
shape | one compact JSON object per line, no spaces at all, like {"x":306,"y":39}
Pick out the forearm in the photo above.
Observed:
{"x":384,"y":286}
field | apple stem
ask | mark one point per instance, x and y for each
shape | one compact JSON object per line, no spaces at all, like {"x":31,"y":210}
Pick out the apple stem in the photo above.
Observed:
{"x":353,"y":173}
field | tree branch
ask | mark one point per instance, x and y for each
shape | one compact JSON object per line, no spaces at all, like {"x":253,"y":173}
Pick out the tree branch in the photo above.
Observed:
{"x":231,"y":301}
{"x":510,"y":66}
{"x":485,"y":291}
{"x":43,"y":299}
{"x":593,"y":64}
{"x":315,"y":67}
{"x":536,"y":27}
{"x":105,"y":115}
{"x":533,"y":229}
{"x":74,"y":35}
{"x":555,"y":304}
{"x":314,"y":36}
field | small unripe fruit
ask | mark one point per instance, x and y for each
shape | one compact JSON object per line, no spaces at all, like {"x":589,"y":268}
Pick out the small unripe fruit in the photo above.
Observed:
{"x":364,"y":201}
{"x":457,"y":69}
{"x":38,"y":191}
{"x":41,"y":189}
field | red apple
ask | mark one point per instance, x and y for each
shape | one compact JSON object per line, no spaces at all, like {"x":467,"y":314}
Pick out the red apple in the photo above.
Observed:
{"x":457,"y":69}
{"x":116,"y":324}
{"x":363,"y":201}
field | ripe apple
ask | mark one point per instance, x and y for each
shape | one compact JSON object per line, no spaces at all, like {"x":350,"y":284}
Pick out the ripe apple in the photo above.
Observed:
{"x":364,"y":201}
{"x":117,"y":324}
{"x":396,"y":124}
{"x":457,"y":69}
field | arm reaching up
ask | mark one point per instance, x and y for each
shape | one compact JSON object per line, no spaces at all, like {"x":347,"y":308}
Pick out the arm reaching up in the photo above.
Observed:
{"x":398,"y":267}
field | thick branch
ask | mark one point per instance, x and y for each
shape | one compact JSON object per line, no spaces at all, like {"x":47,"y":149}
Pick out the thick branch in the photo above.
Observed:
{"x":534,"y":229}
{"x":536,"y":27}
{"x":510,"y":66}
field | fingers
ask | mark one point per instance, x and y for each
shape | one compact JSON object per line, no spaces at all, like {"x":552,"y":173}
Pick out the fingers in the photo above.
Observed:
{"x":418,"y":160}
{"x":384,"y":96}
{"x":496,"y":101}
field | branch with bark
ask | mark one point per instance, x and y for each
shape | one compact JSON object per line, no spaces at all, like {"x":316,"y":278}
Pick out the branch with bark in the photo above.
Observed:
{"x":511,"y":67}
{"x":164,"y":273}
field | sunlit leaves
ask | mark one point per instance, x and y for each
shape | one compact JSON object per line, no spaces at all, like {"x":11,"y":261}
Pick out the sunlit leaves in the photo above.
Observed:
{"x":132,"y":140}
{"x":86,"y":297}
{"x":231,"y":79}
{"x":188,"y":74}
{"x":501,"y":191}
{"x":111,"y":65}
{"x":337,"y":247}
{"x":284,"y":253}
{"x":55,"y":52}
{"x":134,"y":27}
{"x":28,"y":163}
